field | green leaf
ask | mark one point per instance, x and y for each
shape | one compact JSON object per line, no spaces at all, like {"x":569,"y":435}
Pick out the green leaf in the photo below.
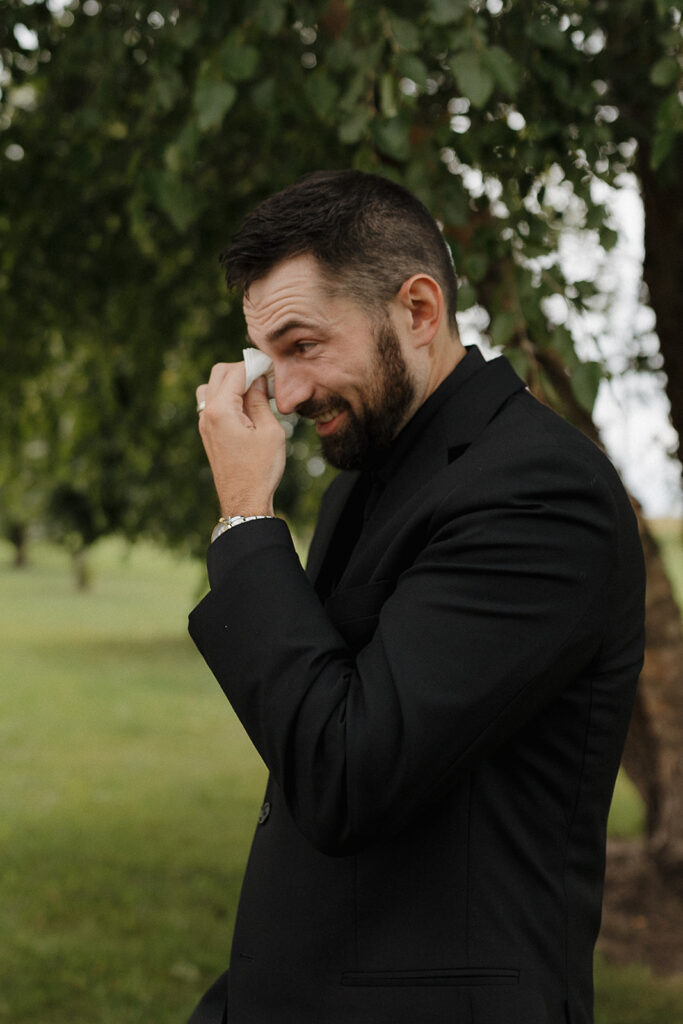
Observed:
{"x":547,"y":34}
{"x":518,"y":361}
{"x":503,"y":328}
{"x":467,"y":297}
{"x":392,"y":138}
{"x":186,"y":33}
{"x":503,"y":68}
{"x":180,"y":153}
{"x":661,"y":147}
{"x":475,"y":266}
{"x":167,"y":88}
{"x":355,"y":91}
{"x":353,"y":128}
{"x":561,"y":341}
{"x":263,"y":94}
{"x":445,"y":12}
{"x":474,"y":81}
{"x":238,"y":60}
{"x":212,"y":100}
{"x":178,"y":199}
{"x":665,"y":72}
{"x":404,"y":32}
{"x":413,"y":68}
{"x":462,"y":39}
{"x":321,"y":91}
{"x":669,"y":124}
{"x":340,"y":55}
{"x":269,"y":15}
{"x":455,"y":209}
{"x":608,"y":237}
{"x":585,"y":383}
{"x":387,"y":96}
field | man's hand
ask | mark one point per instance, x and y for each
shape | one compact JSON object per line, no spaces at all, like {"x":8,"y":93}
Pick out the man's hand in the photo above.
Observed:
{"x":243,"y":441}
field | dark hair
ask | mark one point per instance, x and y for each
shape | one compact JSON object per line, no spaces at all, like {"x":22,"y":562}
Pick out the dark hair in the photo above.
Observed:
{"x":368,"y":234}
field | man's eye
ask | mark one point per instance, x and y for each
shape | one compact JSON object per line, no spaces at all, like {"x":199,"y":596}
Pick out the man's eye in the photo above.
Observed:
{"x":305,"y":346}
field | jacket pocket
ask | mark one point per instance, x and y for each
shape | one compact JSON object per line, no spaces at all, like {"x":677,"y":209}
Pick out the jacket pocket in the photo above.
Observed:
{"x":457,"y":976}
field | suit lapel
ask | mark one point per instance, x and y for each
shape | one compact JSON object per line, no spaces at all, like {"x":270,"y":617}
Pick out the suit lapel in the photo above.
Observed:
{"x":455,"y":425}
{"x":333,"y":504}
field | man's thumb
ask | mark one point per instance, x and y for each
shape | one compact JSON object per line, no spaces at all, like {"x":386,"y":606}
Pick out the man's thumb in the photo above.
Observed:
{"x":256,"y":404}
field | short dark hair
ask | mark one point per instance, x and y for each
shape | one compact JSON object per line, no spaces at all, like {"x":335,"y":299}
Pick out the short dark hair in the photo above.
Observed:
{"x":368,"y":234}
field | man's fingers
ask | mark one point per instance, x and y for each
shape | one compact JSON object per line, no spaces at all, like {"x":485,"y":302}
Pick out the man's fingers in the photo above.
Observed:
{"x":225,"y":377}
{"x":257,"y":405}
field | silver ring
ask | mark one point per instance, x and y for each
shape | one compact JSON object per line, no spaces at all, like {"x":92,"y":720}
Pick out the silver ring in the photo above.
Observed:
{"x":201,"y":406}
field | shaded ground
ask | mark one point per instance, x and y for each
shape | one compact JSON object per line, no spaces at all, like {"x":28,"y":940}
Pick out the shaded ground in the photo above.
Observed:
{"x":643,"y":914}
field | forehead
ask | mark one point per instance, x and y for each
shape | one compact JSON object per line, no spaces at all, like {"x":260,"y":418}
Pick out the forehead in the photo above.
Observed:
{"x":293,"y":289}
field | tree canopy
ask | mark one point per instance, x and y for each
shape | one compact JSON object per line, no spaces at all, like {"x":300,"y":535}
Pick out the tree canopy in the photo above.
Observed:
{"x":135,"y":135}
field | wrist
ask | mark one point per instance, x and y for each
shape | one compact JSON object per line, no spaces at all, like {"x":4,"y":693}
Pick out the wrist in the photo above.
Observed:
{"x":226,"y":523}
{"x":237,"y":504}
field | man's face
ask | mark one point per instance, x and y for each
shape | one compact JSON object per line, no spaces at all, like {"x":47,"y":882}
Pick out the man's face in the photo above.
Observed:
{"x":332,"y":365}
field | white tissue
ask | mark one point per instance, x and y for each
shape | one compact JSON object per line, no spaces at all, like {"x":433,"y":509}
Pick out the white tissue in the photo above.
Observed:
{"x":258,"y":364}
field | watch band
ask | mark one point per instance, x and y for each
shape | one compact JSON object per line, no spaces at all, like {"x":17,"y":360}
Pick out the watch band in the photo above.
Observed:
{"x":229,"y":522}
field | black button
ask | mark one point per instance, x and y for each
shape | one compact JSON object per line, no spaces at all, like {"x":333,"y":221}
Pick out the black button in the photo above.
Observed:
{"x":264,"y":813}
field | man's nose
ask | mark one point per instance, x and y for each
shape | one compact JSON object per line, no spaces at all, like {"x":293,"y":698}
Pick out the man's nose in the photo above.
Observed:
{"x":292,"y":388}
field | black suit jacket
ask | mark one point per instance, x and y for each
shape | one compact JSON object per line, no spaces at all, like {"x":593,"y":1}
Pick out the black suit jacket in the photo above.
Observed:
{"x":443,"y":734}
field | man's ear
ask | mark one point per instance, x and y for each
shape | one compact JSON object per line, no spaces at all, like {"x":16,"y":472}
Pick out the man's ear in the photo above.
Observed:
{"x":422,"y":301}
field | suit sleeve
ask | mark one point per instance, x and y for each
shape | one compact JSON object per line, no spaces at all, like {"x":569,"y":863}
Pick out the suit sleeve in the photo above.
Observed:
{"x":500,"y":608}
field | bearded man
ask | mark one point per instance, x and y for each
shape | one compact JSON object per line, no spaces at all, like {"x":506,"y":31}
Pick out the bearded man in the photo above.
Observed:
{"x":442,"y":697}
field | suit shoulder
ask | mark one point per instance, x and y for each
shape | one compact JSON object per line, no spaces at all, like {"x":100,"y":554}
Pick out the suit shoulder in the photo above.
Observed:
{"x":524,"y":425}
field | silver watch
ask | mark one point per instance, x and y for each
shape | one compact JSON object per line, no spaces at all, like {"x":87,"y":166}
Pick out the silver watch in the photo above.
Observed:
{"x":228,"y":522}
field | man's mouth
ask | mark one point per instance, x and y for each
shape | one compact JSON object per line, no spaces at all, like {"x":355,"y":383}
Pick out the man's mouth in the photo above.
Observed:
{"x":328,"y":416}
{"x":329,"y":421}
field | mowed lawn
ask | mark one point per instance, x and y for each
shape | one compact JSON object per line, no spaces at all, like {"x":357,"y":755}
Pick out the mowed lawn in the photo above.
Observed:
{"x":128,"y":796}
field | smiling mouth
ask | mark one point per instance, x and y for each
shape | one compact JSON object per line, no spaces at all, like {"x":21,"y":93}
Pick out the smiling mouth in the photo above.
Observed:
{"x":327,"y":417}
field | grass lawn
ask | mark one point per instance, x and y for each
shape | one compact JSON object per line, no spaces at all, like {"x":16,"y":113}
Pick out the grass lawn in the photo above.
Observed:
{"x":128,"y":796}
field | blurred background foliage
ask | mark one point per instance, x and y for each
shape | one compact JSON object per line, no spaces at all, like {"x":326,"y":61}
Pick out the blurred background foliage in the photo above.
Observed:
{"x":136,"y":134}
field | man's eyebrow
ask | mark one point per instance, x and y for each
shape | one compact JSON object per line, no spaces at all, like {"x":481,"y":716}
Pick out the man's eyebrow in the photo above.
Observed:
{"x":292,"y":325}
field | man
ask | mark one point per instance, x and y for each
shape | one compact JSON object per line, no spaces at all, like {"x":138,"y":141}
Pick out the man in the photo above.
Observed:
{"x":442,"y":699}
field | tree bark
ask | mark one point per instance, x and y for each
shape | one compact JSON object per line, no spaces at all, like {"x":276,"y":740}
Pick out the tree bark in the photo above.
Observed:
{"x":82,"y":575}
{"x":663,"y":204}
{"x":18,"y":538}
{"x":654,"y":753}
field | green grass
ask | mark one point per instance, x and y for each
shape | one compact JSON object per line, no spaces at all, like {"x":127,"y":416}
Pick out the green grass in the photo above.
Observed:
{"x":633,"y":995}
{"x":627,"y":813}
{"x":669,"y":536}
{"x":128,"y":795}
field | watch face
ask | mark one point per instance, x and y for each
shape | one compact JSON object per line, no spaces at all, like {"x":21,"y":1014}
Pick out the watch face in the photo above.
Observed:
{"x":218,"y":530}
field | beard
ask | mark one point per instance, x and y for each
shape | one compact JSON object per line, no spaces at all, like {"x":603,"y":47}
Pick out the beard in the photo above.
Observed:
{"x":385,"y":405}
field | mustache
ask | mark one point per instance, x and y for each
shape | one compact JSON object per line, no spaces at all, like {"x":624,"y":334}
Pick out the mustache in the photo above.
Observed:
{"x":311,"y":410}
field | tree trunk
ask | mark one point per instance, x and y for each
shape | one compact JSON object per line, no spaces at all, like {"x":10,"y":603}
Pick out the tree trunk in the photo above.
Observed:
{"x":79,"y":561}
{"x":663,"y":204}
{"x":654,"y":752}
{"x":18,"y":538}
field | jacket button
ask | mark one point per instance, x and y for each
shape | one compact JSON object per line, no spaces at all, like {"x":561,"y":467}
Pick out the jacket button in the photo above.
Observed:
{"x":264,"y":813}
